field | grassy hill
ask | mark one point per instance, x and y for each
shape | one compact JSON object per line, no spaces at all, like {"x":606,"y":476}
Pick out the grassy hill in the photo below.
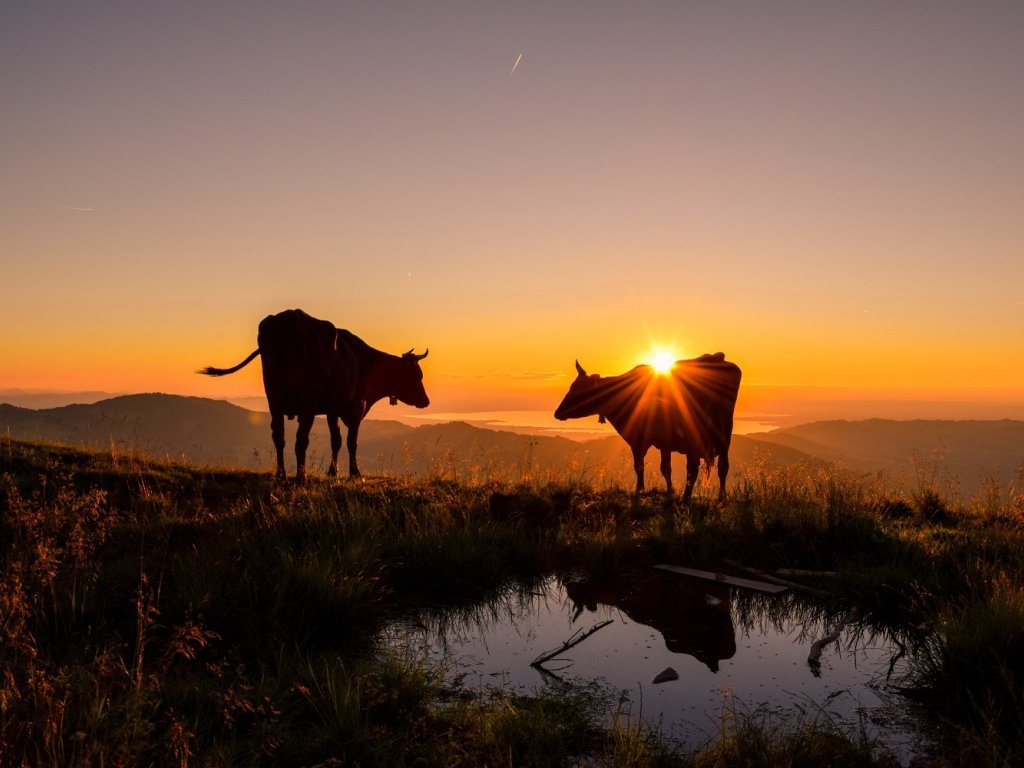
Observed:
{"x":958,"y":457}
{"x":205,"y":431}
{"x":955,"y":455}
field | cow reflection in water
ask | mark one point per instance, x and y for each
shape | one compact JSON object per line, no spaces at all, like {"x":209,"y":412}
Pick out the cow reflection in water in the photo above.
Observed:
{"x":692,"y":616}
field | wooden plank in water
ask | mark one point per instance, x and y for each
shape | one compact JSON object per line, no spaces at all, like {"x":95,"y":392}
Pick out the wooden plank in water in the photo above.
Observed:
{"x":721,"y":578}
{"x":776,"y":580}
{"x":804,"y":572}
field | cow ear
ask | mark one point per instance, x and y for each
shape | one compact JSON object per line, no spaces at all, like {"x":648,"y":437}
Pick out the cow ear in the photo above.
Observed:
{"x":579,"y":369}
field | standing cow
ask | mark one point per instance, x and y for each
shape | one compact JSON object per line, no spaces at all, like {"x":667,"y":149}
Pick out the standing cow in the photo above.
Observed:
{"x":310,"y":368}
{"x":688,"y":410}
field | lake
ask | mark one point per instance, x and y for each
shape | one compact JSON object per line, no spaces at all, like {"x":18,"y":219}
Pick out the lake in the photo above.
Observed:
{"x":544,"y":423}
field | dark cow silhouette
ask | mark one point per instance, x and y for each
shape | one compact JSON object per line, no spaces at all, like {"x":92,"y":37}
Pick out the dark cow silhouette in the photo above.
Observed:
{"x":310,"y":368}
{"x":693,"y":617}
{"x":688,"y":410}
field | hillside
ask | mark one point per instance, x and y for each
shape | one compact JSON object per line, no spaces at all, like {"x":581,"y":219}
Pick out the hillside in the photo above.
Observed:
{"x":205,"y":431}
{"x":963,"y":454}
{"x":956,"y":455}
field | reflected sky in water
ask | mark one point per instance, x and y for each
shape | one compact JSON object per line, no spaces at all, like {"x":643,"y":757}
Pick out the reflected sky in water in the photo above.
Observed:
{"x":730,"y":648}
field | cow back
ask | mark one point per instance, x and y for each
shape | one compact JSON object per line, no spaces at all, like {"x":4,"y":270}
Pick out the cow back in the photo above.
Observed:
{"x":298,"y":353}
{"x":709,"y":386}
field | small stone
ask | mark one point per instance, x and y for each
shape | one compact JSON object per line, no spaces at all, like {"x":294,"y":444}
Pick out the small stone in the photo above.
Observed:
{"x":665,"y":675}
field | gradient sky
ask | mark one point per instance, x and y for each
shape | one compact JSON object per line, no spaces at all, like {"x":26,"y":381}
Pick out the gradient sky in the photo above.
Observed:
{"x":831,"y":193}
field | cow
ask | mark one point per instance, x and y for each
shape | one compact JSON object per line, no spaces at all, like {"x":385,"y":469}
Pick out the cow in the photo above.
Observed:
{"x":310,"y":368}
{"x":689,"y":410}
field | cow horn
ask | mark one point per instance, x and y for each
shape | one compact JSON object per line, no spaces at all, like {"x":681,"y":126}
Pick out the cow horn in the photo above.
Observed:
{"x":579,"y":369}
{"x":420,"y":357}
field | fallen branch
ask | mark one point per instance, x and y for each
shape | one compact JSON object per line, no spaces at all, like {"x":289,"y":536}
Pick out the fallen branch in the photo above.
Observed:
{"x":575,"y":639}
{"x":814,"y":657}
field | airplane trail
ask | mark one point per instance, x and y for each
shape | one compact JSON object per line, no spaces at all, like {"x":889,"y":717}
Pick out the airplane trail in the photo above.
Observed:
{"x":515,"y":65}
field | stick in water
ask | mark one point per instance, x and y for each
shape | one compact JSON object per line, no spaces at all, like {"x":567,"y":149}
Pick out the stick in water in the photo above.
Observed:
{"x":575,"y":639}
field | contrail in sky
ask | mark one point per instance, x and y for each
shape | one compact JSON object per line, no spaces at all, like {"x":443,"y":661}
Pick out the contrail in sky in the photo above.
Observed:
{"x":515,"y":65}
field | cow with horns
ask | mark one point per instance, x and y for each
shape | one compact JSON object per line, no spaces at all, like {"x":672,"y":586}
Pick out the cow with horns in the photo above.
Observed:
{"x":310,"y":368}
{"x":689,"y":410}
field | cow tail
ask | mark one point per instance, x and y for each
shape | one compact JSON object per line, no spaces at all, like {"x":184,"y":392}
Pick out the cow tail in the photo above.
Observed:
{"x":709,"y":464}
{"x":211,"y":371}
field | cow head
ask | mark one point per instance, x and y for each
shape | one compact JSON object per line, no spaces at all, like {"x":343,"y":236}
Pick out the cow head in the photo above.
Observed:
{"x":583,"y":397}
{"x":407,"y":385}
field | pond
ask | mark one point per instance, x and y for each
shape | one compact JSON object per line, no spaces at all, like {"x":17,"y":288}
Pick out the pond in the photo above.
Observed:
{"x":733,"y":649}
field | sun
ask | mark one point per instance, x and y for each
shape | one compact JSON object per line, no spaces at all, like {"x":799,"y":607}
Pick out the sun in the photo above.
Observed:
{"x":662,"y":361}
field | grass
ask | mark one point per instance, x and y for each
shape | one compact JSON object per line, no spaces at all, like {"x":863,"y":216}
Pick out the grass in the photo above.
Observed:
{"x":165,"y":614}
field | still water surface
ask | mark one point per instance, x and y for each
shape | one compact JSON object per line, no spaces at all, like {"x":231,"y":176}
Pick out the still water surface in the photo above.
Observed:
{"x":731,"y":648}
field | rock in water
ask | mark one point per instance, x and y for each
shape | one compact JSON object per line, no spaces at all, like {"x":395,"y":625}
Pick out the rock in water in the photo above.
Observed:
{"x":665,"y":675}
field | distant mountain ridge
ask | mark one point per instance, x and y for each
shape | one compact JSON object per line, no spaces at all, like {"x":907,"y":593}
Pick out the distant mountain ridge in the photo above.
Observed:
{"x":204,"y":431}
{"x":964,"y":453}
{"x":35,"y":398}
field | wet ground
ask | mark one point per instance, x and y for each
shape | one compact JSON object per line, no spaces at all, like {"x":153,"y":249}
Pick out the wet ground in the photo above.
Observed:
{"x":731,"y":649}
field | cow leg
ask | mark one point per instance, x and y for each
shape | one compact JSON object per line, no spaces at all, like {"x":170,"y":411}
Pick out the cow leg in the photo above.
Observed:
{"x":277,"y":433}
{"x":301,"y":444}
{"x":638,"y":467}
{"x":666,"y":470}
{"x":352,"y":441}
{"x":332,"y":425}
{"x":723,"y":472}
{"x":692,"y":468}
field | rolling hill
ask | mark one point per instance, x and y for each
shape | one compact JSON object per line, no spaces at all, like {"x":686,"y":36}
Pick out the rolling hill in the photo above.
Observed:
{"x":961,"y":455}
{"x":204,"y":431}
{"x":956,"y":455}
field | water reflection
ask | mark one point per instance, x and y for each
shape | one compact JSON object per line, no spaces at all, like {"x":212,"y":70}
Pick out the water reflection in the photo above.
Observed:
{"x":730,"y":647}
{"x":693,"y":618}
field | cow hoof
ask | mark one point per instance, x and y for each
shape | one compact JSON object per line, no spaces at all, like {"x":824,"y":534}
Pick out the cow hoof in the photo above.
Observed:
{"x":333,"y":471}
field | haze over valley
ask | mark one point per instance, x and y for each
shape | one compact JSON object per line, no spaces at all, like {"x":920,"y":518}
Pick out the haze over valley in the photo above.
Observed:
{"x":958,"y":456}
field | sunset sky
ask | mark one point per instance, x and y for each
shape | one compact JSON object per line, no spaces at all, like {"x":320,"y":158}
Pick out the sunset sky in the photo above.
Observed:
{"x":831,"y":193}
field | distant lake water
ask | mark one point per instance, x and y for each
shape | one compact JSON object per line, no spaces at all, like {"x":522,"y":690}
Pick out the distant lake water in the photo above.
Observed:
{"x":543,"y":422}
